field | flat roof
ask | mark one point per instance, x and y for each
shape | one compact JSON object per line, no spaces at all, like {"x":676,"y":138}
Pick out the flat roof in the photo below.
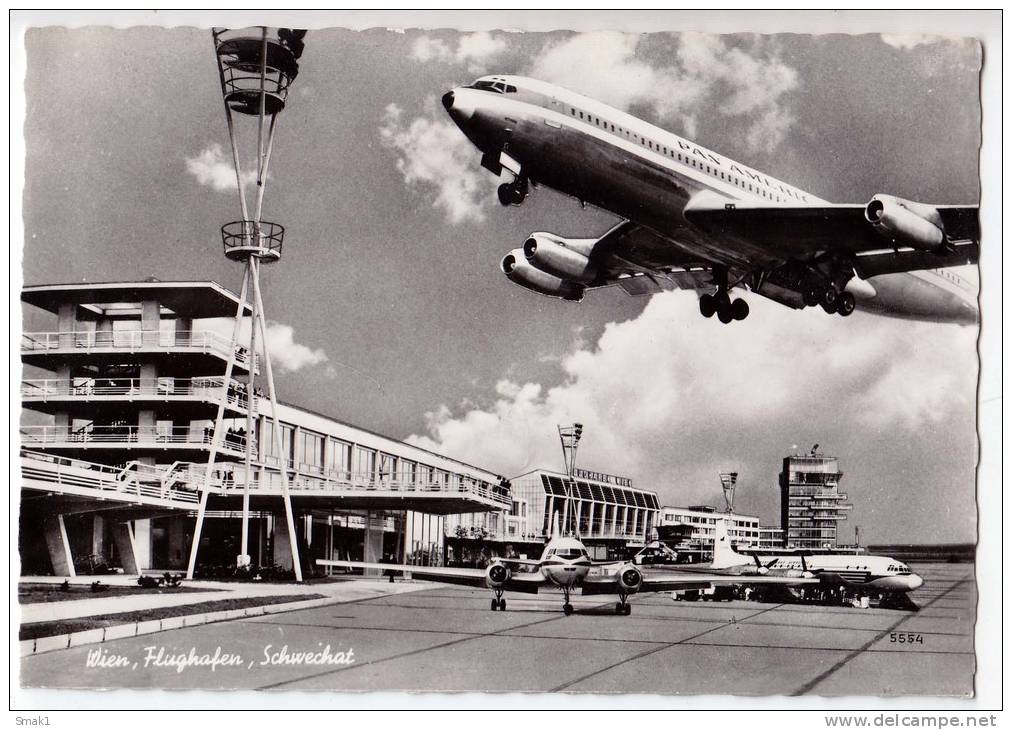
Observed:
{"x":196,"y":299}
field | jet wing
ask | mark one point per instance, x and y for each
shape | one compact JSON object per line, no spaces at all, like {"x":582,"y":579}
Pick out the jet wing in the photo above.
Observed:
{"x":522,"y":582}
{"x":801,"y":232}
{"x":642,"y":262}
{"x":605,"y":583}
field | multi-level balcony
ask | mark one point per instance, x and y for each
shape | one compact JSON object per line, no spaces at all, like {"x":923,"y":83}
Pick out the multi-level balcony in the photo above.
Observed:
{"x":184,"y":443}
{"x":198,"y":349}
{"x":195,"y":397}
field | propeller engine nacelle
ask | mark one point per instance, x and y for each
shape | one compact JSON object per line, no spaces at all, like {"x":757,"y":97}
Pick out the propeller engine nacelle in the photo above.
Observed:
{"x":565,"y":258}
{"x":629,"y":579}
{"x":911,"y":224}
{"x":497,"y":575}
{"x":520,"y":271}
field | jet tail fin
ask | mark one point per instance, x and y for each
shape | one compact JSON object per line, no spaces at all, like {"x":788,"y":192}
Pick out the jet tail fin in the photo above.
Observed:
{"x":724,"y":555}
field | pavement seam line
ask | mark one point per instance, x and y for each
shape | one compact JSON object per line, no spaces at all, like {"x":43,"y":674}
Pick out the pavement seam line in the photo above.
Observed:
{"x":813,"y":683}
{"x":666,"y":645}
{"x":413,"y":652}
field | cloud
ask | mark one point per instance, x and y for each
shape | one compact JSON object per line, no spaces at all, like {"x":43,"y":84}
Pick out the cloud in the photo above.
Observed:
{"x":433,"y":154}
{"x":669,"y":397}
{"x":286,"y":354}
{"x":213,"y":169}
{"x":748,"y":82}
{"x":472,"y":49}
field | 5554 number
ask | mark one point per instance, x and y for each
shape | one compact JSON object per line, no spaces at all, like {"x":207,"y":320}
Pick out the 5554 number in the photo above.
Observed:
{"x":905,"y":638}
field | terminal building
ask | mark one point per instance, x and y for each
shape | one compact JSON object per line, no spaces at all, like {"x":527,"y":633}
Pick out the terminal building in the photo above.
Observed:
{"x":811,"y":503}
{"x":608,"y":513}
{"x":690,"y":531}
{"x":120,"y":396}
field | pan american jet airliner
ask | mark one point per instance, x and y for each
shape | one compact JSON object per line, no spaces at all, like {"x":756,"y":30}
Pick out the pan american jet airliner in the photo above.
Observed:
{"x":566,"y":565}
{"x":693,"y":219}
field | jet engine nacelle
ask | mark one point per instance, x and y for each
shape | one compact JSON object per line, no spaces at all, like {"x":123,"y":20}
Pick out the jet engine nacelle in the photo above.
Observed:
{"x":564,"y":258}
{"x":629,"y":579}
{"x":913,"y":224}
{"x":520,"y":271}
{"x":497,"y":575}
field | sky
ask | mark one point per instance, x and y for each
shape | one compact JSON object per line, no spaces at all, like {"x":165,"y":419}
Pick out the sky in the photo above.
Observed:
{"x":388,"y":310}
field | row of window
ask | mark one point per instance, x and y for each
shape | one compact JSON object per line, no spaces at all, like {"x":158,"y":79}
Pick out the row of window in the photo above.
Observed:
{"x":344,"y":457}
{"x":676,"y":155}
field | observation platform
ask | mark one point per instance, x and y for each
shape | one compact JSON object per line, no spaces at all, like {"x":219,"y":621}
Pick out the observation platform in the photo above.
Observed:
{"x":257,"y":65}
{"x":93,"y":486}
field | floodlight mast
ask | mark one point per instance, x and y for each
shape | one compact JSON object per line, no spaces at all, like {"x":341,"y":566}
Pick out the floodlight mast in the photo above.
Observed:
{"x":569,"y":437}
{"x":256,"y":67}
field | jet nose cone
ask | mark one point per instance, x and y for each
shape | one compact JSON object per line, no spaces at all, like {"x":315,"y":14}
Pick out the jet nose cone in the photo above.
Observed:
{"x":459,"y":104}
{"x":915,"y":581}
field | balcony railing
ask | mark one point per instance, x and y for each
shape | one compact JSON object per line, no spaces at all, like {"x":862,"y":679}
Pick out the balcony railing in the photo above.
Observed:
{"x":133,"y":341}
{"x":135,"y":389}
{"x":141,"y":436}
{"x":344,"y":481}
{"x":75,"y":475}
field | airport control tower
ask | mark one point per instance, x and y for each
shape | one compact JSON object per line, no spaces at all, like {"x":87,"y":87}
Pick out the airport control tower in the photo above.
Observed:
{"x":811,"y":503}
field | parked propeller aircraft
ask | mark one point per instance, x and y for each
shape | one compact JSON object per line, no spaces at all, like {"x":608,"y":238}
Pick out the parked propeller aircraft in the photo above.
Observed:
{"x":693,"y":219}
{"x":859,"y":573}
{"x":565,"y":564}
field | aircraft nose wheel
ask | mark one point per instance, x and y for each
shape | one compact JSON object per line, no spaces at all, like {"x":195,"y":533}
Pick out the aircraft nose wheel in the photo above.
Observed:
{"x":707,"y":305}
{"x":498,"y":603}
{"x":568,"y":609}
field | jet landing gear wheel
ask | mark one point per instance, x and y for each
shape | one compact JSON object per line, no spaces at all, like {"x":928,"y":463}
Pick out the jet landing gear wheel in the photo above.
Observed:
{"x":495,"y":605}
{"x":498,"y":603}
{"x":845,"y":304}
{"x":723,"y":307}
{"x":707,"y":305}
{"x":568,"y":609}
{"x":502,"y":604}
{"x":622,"y":608}
{"x":739,"y":309}
{"x":513,"y":193}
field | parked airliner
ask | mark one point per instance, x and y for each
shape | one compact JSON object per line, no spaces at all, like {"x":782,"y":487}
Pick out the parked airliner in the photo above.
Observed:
{"x":693,"y":219}
{"x":565,"y":564}
{"x":861,"y":573}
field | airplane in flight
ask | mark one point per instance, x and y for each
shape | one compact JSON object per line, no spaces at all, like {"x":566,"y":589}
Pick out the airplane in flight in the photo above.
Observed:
{"x":566,"y":565}
{"x":859,"y":573}
{"x":693,"y":219}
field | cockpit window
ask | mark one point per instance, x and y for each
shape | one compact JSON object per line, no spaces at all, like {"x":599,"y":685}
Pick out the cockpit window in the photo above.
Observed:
{"x":499,"y":87}
{"x":571,"y":553}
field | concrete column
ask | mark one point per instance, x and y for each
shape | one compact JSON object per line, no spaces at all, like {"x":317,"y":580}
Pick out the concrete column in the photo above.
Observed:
{"x":67,"y":323}
{"x":635,"y":521}
{"x":151,"y":315}
{"x":149,"y":375}
{"x":372,"y":541}
{"x":184,"y":325}
{"x":124,"y":539}
{"x":103,"y":333}
{"x":614,"y":519}
{"x":142,"y":544}
{"x":282,"y":542}
{"x":97,"y":535}
{"x":146,"y":425}
{"x":590,"y":518}
{"x":58,"y":546}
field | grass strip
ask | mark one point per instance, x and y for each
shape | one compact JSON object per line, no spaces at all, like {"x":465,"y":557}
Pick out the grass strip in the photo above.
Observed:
{"x":67,"y":626}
